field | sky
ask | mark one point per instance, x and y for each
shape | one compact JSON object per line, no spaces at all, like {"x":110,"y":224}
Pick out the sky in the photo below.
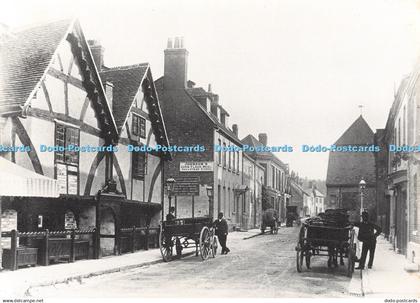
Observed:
{"x":294,"y":69}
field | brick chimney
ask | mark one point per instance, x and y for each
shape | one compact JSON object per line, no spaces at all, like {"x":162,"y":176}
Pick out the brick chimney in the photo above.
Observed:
{"x":97,"y":51}
{"x":175,"y":66}
{"x":262,"y":138}
{"x":235,"y":129}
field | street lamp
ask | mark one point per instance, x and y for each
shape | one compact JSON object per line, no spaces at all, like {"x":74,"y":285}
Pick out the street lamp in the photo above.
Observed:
{"x":362,"y":186}
{"x":170,"y":183}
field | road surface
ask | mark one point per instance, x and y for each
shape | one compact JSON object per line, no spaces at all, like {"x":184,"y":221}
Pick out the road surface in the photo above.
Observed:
{"x":262,"y":266}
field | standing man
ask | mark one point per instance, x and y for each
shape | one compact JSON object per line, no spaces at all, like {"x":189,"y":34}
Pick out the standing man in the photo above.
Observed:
{"x":367,"y":236}
{"x":171,"y":215}
{"x":222,"y":232}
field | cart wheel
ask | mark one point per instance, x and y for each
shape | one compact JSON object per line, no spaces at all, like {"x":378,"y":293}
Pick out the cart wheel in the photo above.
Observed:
{"x":205,"y":243}
{"x":165,"y":245}
{"x":299,"y":258}
{"x":351,"y":255}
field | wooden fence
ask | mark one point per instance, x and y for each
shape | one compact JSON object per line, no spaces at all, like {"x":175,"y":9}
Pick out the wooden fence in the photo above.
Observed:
{"x":45,"y":246}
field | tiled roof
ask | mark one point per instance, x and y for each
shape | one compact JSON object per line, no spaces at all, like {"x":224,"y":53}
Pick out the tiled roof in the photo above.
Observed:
{"x":359,"y":133}
{"x":253,"y":142}
{"x":197,"y":91}
{"x":126,"y":81}
{"x":348,"y":168}
{"x":189,"y":94}
{"x":24,"y":57}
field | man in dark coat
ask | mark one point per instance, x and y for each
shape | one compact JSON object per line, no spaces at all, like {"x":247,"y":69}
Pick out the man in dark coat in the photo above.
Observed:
{"x":367,"y":236}
{"x":171,"y":215}
{"x":222,"y":231}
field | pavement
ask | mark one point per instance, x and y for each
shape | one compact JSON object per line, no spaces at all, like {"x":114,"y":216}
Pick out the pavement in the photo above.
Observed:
{"x":17,"y":284}
{"x":387,"y":278}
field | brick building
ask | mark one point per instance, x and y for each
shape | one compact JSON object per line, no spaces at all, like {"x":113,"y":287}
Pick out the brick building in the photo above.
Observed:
{"x":347,"y":169}
{"x":195,"y":118}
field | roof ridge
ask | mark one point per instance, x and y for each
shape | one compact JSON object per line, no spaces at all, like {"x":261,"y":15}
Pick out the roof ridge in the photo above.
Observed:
{"x":35,"y":25}
{"x":124,"y":67}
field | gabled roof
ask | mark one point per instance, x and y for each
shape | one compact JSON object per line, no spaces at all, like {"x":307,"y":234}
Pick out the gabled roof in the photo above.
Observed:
{"x":24,"y":58}
{"x":348,"y":168}
{"x":184,"y":94}
{"x":298,"y":188}
{"x":253,"y":142}
{"x":126,"y":81}
{"x":359,"y":133}
{"x":317,"y":193}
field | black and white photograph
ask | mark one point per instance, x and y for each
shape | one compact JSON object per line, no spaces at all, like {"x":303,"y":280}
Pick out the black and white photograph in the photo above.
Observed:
{"x":210,"y":150}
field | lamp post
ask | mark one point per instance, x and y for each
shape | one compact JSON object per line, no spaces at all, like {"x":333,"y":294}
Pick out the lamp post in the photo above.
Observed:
{"x":170,"y":183}
{"x":362,"y":186}
{"x":209,"y":190}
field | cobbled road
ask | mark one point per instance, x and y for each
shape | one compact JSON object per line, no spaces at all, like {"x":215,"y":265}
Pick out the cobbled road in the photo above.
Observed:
{"x":261,"y":266}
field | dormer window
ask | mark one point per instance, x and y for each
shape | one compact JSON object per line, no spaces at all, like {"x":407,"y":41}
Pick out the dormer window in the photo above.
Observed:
{"x":139,"y":126}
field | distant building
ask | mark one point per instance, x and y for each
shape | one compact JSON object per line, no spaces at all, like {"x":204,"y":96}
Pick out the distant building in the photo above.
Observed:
{"x":253,"y":178}
{"x":347,"y":169}
{"x":276,"y":189}
{"x":299,"y":198}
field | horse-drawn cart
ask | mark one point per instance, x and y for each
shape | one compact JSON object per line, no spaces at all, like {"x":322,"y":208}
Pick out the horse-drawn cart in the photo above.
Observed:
{"x":322,"y":240}
{"x":187,"y":232}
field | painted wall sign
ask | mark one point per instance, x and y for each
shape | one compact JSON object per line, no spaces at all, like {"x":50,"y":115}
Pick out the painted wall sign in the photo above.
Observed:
{"x":196,"y":166}
{"x":186,"y":186}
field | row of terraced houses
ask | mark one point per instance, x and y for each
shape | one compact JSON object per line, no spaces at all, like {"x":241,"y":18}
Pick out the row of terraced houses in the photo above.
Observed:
{"x":60,"y":202}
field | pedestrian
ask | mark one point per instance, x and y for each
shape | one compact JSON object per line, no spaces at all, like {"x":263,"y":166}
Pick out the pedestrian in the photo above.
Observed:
{"x":171,"y":215}
{"x":221,"y":232}
{"x":367,"y":236}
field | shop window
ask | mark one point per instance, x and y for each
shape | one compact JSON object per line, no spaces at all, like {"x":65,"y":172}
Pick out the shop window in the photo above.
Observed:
{"x":139,"y":126}
{"x":67,"y":159}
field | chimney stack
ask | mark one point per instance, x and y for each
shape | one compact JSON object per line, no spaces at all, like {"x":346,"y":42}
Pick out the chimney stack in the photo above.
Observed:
{"x":175,"y":66}
{"x":262,"y":138}
{"x":97,"y":51}
{"x":235,"y":129}
{"x":209,"y":89}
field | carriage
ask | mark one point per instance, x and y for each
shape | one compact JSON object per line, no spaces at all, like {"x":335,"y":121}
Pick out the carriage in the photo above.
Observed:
{"x":324,"y":240}
{"x":270,"y":219}
{"x":185,"y":233}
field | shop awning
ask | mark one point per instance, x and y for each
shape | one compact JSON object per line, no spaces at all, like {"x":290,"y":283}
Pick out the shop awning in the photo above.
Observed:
{"x":21,"y":182}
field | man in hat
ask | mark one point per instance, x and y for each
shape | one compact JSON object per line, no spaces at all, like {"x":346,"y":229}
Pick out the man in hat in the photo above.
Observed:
{"x":367,"y":236}
{"x":222,"y":231}
{"x":171,"y":215}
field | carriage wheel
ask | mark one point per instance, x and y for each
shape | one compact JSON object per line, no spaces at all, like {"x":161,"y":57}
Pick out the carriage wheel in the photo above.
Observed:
{"x":165,"y":245}
{"x":205,"y":243}
{"x":299,"y":258}
{"x":351,"y":255}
